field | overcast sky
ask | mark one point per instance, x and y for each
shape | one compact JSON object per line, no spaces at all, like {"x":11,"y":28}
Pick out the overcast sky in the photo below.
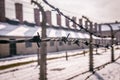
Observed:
{"x":97,"y":10}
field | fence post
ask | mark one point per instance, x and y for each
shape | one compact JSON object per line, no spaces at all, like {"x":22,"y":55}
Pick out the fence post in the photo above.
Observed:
{"x":112,"y":48}
{"x":43,"y":67}
{"x":112,"y":41}
{"x":91,"y":50}
{"x":38,"y":55}
{"x":90,"y":45}
{"x":43,"y":62}
{"x":66,"y":55}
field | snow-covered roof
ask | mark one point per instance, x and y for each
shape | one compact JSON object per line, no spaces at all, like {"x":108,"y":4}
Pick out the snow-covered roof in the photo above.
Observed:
{"x":17,"y":30}
{"x":26,"y":31}
{"x":114,"y":26}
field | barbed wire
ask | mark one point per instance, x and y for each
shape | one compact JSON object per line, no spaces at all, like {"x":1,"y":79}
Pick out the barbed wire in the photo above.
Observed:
{"x":81,"y":27}
{"x":66,"y":39}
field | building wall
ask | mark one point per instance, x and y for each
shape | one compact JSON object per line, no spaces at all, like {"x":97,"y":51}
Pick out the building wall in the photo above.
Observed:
{"x":116,"y":34}
{"x":22,"y":49}
{"x":4,"y":48}
{"x":57,"y":47}
{"x":28,"y":15}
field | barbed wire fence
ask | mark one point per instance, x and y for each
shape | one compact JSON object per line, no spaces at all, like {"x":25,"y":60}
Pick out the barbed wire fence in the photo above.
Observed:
{"x":43,"y":63}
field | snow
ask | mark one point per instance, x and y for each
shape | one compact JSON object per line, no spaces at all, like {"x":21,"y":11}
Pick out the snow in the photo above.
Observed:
{"x":22,"y":58}
{"x":60,"y":69}
{"x":23,"y":30}
{"x":107,"y":28}
{"x":110,"y":72}
{"x":19,"y":30}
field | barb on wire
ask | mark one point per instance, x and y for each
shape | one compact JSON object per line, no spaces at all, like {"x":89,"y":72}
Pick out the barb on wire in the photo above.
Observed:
{"x":86,"y":43}
{"x":65,"y":39}
{"x":38,"y":40}
{"x":77,"y":42}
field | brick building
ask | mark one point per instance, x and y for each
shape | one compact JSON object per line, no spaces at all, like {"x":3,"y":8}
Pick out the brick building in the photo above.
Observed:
{"x":20,"y":20}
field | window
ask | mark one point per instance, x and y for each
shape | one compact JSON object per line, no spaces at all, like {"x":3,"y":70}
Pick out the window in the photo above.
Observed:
{"x":51,"y":43}
{"x":28,"y":44}
{"x":13,"y":47}
{"x":60,"y":43}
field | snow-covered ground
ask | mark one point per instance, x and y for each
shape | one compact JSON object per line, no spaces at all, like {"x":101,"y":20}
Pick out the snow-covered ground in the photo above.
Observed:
{"x":60,"y":69}
{"x":24,"y":58}
{"x":110,"y":72}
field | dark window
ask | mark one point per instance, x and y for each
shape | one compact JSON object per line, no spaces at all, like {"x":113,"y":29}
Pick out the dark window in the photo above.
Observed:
{"x":28,"y":44}
{"x":51,"y":43}
{"x":12,"y":47}
{"x":60,"y":43}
